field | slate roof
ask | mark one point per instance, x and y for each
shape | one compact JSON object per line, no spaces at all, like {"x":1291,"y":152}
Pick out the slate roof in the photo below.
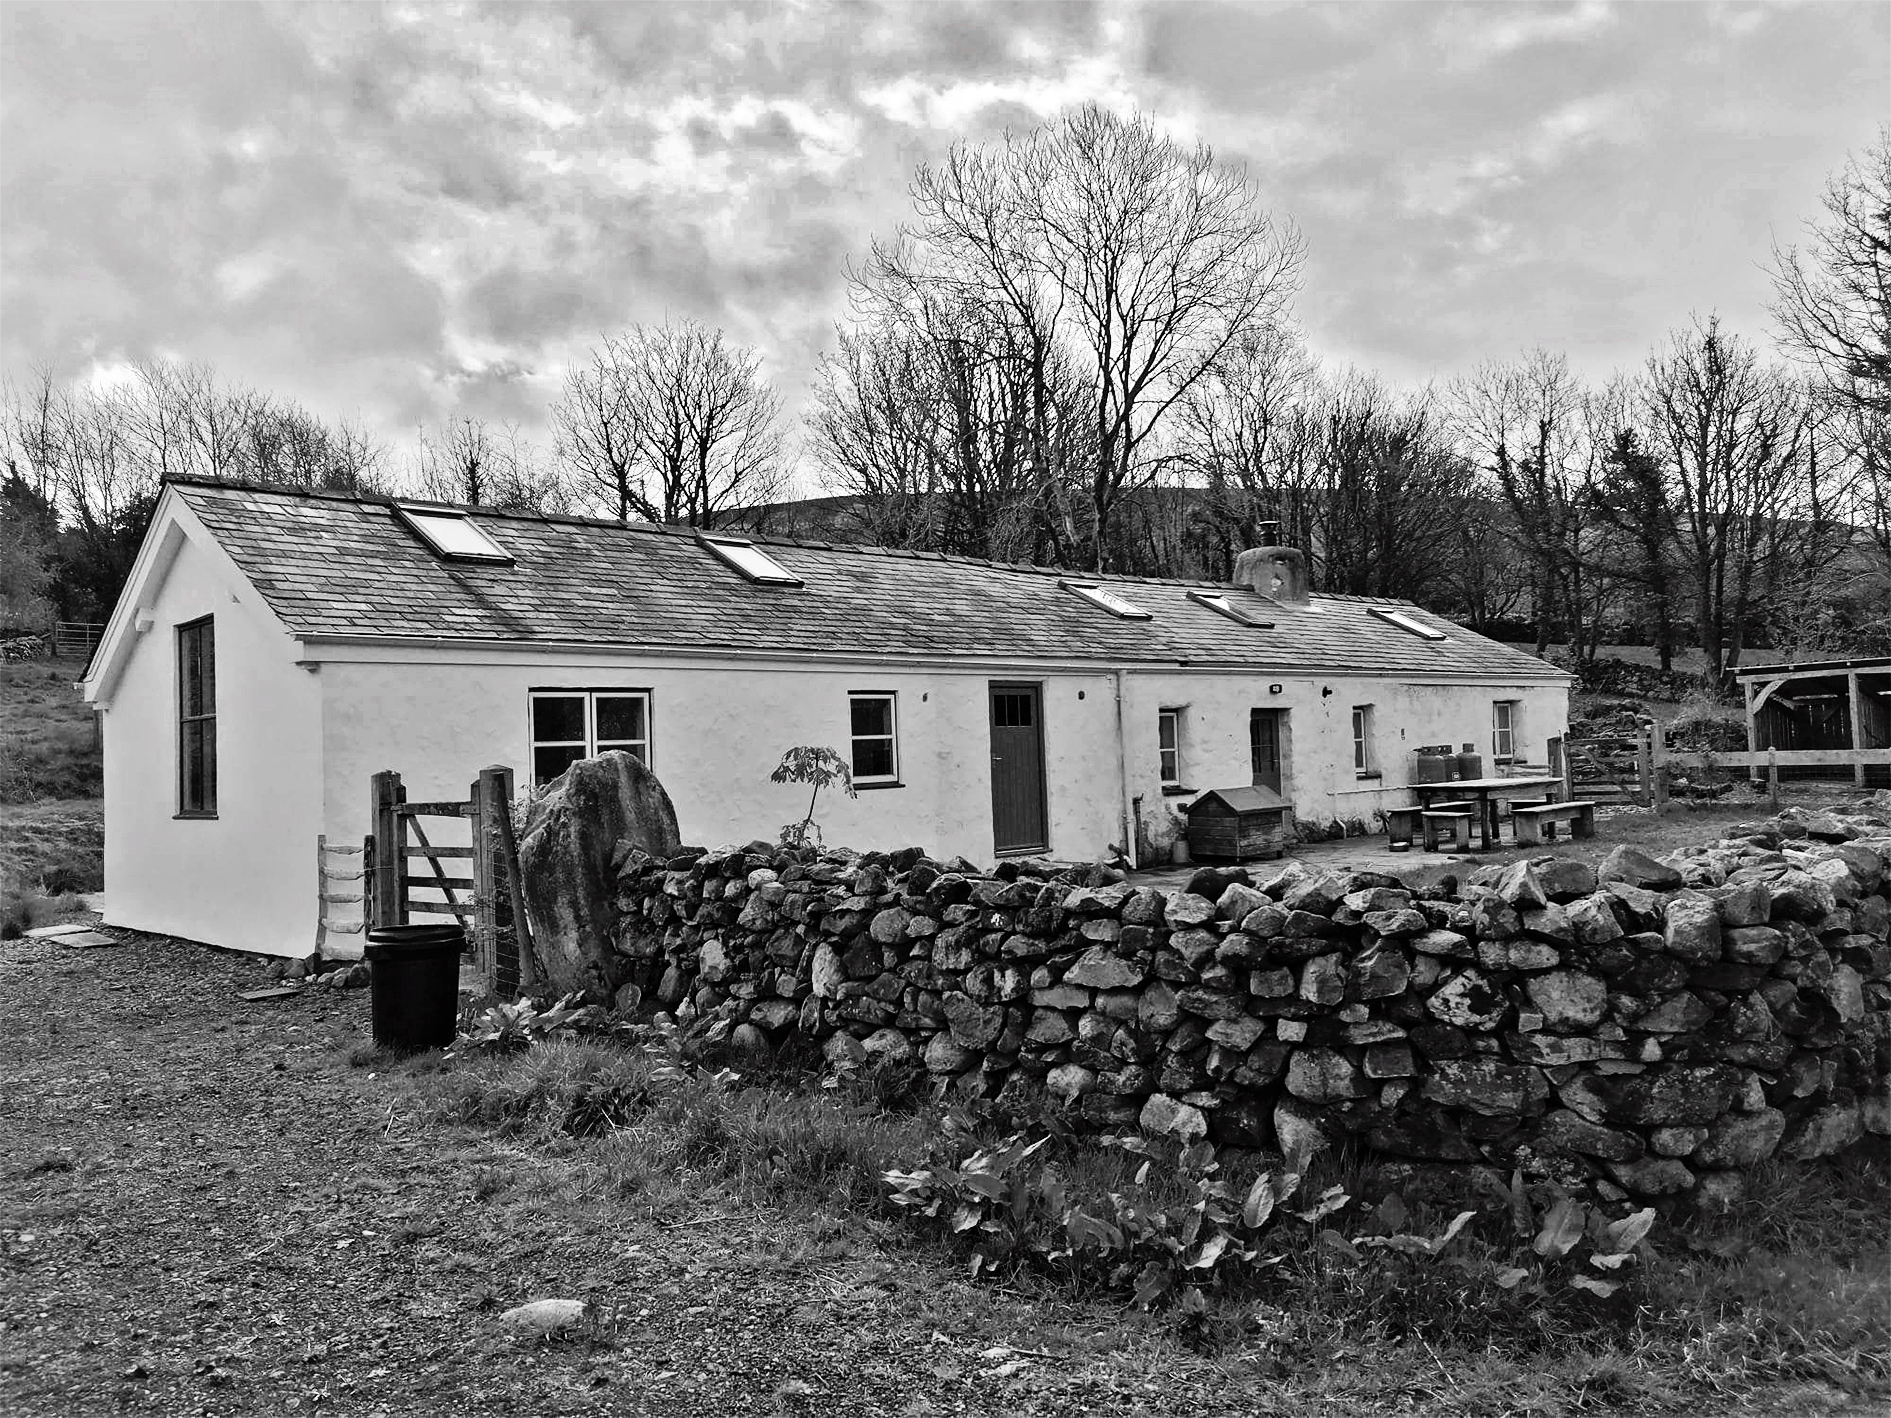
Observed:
{"x":337,"y":565}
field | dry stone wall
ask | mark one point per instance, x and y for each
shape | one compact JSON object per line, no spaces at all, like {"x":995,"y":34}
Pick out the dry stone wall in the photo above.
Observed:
{"x":1653,"y":1027}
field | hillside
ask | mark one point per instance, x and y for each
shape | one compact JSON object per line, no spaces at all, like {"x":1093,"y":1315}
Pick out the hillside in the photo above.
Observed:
{"x":52,"y":838}
{"x":48,"y":745}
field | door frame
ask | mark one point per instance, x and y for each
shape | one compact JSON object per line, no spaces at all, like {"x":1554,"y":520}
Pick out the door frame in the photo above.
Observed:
{"x":1283,"y":721}
{"x":1035,"y":688}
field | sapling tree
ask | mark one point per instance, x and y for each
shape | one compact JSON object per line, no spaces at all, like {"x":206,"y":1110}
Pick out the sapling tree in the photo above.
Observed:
{"x":819,"y":768}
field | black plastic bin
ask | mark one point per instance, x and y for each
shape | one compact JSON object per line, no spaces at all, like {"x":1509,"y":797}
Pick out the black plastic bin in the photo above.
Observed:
{"x":415,"y":979}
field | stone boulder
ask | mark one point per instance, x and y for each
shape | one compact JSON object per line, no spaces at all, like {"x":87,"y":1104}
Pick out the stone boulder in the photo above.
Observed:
{"x":566,"y":845}
{"x":1637,"y":868}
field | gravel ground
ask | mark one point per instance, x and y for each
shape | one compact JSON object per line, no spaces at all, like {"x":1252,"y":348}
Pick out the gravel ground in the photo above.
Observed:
{"x":205,"y":1209}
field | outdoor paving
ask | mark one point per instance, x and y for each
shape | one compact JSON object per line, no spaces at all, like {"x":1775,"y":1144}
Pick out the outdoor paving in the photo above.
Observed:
{"x":1347,"y":855}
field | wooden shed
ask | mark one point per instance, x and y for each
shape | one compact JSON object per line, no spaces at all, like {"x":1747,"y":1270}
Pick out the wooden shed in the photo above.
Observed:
{"x":1240,"y":824}
{"x":1827,"y":718}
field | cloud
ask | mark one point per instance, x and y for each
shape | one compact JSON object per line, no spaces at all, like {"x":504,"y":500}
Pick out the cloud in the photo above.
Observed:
{"x":408,"y":213}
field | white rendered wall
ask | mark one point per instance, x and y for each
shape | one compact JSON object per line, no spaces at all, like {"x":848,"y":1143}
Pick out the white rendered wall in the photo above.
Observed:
{"x":720,"y":728}
{"x":717,"y":733}
{"x":1317,"y":744}
{"x":245,"y":879}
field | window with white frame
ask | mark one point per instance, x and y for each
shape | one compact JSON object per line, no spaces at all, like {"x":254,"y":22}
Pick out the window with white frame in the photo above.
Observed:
{"x":873,"y":723}
{"x":569,"y":724}
{"x":1364,"y":764}
{"x":1504,"y":730}
{"x":1105,"y":599}
{"x":750,"y":560}
{"x":451,"y":534}
{"x":1169,"y":746}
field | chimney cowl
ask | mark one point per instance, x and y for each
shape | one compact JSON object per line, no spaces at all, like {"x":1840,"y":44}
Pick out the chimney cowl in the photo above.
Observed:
{"x":1275,"y":571}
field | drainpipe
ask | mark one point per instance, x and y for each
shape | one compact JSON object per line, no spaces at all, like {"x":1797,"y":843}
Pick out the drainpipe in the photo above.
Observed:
{"x":1122,"y":771}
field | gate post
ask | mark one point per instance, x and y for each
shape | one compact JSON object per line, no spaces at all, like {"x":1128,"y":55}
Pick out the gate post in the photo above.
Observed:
{"x":389,"y":901}
{"x":497,"y":859}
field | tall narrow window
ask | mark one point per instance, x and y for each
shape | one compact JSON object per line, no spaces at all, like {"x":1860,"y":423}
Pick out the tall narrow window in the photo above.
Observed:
{"x":1504,"y":730}
{"x":1363,"y":764}
{"x":1169,"y":746}
{"x":570,"y":724}
{"x":876,"y":756}
{"x":196,"y":719}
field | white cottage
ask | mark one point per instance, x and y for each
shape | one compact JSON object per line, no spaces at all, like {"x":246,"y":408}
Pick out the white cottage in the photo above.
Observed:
{"x":275,"y":648}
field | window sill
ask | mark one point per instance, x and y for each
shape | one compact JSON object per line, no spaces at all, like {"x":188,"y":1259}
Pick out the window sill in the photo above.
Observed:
{"x":882,"y":783}
{"x":1374,"y":774}
{"x":193,"y":817}
{"x":1175,"y":790}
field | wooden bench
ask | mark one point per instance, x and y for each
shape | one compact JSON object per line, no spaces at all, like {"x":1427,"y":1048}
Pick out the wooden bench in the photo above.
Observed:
{"x":1533,"y":824}
{"x":1458,"y":819}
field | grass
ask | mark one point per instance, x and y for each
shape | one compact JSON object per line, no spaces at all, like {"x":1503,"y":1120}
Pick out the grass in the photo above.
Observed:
{"x":48,"y":745}
{"x":52,"y":830}
{"x":1789,"y":1293}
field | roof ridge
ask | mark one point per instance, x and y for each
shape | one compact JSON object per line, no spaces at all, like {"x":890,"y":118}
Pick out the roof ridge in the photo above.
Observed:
{"x":382,"y":499}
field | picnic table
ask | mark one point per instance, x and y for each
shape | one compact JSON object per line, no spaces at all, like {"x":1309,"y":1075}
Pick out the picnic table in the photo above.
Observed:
{"x":1487,"y":793}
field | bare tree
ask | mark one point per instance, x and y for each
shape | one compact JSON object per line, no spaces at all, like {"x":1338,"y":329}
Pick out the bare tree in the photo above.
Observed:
{"x":1523,"y":421}
{"x":671,"y":423}
{"x":1241,"y":437}
{"x":1834,"y":309}
{"x":1389,"y":489}
{"x":468,"y":462}
{"x":1834,"y":304}
{"x":1094,"y":235}
{"x":928,"y":420}
{"x":1751,"y":515}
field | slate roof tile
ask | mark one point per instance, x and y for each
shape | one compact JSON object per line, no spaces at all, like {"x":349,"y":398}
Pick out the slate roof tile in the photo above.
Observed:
{"x":331,"y":564}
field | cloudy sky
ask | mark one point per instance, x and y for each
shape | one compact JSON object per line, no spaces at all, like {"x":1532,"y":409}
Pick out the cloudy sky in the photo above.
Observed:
{"x":399,"y":213}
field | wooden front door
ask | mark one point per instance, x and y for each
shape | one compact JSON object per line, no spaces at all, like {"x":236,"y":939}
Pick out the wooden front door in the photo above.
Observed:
{"x":1264,"y":736}
{"x":1017,"y":769}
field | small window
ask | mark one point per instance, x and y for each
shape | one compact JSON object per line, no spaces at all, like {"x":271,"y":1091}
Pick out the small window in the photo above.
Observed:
{"x":197,"y":719}
{"x":570,"y":724}
{"x":1504,"y":730}
{"x":1013,"y":711}
{"x":1363,"y":763}
{"x":875,"y":739}
{"x":749,"y":559}
{"x":1107,"y":600}
{"x":1222,"y":605}
{"x":453,"y":535}
{"x":1169,"y":746}
{"x":1409,"y":623}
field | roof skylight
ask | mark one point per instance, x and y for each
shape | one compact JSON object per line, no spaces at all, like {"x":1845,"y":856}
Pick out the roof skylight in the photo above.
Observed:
{"x":1222,"y":605}
{"x":1408,"y":623}
{"x":749,"y":559}
{"x":452,"y":534}
{"x":1108,"y":600}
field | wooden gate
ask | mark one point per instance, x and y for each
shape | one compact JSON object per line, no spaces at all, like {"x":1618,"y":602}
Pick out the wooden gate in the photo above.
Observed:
{"x":489,"y":903}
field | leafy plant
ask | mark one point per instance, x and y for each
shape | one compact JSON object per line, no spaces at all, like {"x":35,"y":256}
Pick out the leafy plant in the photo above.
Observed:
{"x":1571,"y":1240}
{"x":1162,"y":1249}
{"x":820,"y":768}
{"x":506,"y":1028}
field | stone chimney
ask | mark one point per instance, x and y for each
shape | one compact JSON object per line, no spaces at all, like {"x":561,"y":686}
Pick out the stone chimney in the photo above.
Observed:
{"x":1276,"y":571}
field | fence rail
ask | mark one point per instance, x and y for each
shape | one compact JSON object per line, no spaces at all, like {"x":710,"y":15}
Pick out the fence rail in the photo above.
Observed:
{"x":1784,"y":757}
